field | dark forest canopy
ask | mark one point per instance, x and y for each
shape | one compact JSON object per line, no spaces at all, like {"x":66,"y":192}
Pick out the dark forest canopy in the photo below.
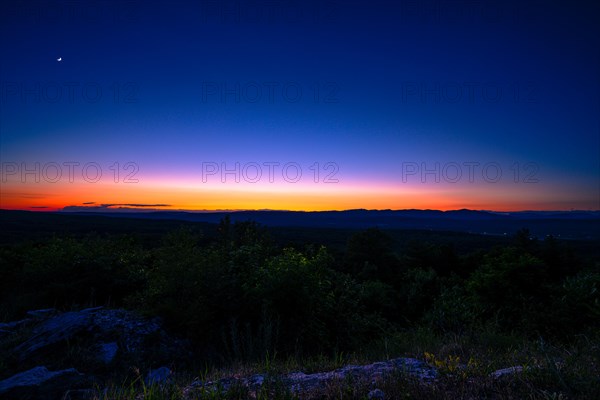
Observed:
{"x":300,"y":290}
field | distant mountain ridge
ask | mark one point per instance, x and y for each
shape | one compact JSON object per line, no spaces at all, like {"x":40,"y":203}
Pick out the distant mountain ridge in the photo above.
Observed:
{"x":563,"y":224}
{"x":576,"y":224}
{"x":463,"y":213}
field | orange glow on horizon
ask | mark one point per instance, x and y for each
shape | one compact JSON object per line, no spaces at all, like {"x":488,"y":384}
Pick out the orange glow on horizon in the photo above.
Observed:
{"x":179,"y":196}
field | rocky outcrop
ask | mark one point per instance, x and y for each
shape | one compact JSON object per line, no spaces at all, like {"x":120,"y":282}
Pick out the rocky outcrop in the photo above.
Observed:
{"x":54,"y":330}
{"x":40,"y":383}
{"x":103,"y":336}
{"x":299,"y":382}
{"x":109,"y":332}
{"x":44,"y":336}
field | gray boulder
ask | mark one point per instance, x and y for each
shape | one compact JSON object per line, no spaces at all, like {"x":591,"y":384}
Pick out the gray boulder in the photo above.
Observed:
{"x":54,"y":330}
{"x":159,"y":376}
{"x":107,"y":352}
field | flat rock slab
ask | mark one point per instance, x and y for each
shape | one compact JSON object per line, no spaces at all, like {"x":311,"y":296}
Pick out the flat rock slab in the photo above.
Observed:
{"x":299,"y":382}
{"x":56,"y":329}
{"x":103,"y":324}
{"x":39,"y":383}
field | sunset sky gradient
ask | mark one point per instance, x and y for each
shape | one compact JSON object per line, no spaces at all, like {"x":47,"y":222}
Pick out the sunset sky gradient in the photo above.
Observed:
{"x":435,"y":104}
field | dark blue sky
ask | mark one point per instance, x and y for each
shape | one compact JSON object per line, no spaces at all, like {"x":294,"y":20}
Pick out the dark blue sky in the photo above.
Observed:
{"x":371,"y":86}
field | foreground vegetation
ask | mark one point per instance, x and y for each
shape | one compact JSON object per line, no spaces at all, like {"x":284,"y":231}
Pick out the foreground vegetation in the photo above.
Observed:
{"x":465,"y":363}
{"x":249,"y":304}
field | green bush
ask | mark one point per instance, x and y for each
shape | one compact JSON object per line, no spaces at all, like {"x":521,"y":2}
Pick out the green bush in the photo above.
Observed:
{"x":69,"y":272}
{"x":508,"y":284}
{"x":577,"y":304}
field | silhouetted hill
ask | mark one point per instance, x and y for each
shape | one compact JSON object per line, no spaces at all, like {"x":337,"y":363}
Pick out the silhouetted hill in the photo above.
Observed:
{"x":565,"y":224}
{"x":304,"y":227}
